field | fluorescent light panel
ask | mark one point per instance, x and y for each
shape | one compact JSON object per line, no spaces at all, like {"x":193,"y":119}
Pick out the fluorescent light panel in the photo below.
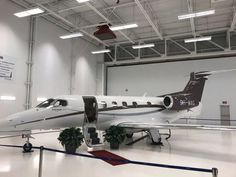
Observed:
{"x":122,"y":27}
{"x":101,"y":51}
{"x":206,"y":38}
{"x":29,"y":12}
{"x":143,"y":46}
{"x":72,"y":35}
{"x":197,"y":14}
{"x":41,"y":99}
{"x":8,"y":98}
{"x":82,"y":1}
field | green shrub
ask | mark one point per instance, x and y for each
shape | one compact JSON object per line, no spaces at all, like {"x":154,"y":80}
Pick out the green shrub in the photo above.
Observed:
{"x":71,"y":137}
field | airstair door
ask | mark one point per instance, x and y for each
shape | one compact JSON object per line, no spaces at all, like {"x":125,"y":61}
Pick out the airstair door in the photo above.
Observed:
{"x":91,"y":135}
{"x":90,"y":109}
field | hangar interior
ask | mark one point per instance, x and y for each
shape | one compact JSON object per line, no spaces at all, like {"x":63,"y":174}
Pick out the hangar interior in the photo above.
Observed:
{"x":43,"y":66}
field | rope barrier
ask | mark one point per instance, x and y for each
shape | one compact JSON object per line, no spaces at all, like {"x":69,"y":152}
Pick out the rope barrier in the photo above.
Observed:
{"x":214,"y":171}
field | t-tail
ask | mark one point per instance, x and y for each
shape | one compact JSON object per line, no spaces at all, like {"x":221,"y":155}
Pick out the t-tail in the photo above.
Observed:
{"x":191,"y":96}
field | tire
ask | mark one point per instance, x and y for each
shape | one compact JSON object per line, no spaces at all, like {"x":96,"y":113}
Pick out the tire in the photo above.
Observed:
{"x":157,"y":143}
{"x":27,"y":147}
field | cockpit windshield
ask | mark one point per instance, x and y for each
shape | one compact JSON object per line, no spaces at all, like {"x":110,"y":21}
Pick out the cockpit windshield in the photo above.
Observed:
{"x":46,"y":103}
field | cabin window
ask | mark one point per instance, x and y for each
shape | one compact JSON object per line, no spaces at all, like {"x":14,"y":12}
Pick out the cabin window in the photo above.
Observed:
{"x":60,"y":103}
{"x":135,"y":104}
{"x":124,"y":104}
{"x":104,"y":104}
{"x":149,"y":103}
{"x":114,"y":103}
{"x":46,"y":103}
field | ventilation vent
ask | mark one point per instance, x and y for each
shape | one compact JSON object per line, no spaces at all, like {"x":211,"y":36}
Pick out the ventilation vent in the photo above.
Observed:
{"x":104,"y":33}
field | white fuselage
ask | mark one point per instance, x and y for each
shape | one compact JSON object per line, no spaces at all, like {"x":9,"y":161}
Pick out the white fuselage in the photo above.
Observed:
{"x":112,"y":110}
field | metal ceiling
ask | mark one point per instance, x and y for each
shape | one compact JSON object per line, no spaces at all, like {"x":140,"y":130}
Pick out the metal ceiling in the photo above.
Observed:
{"x":157,"y":19}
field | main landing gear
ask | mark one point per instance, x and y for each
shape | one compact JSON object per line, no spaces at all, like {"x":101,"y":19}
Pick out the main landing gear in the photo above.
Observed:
{"x":27,"y":146}
{"x":154,"y":136}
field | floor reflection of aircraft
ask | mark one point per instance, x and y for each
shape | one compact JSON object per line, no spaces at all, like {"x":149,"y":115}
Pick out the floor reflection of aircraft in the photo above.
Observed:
{"x":135,"y":114}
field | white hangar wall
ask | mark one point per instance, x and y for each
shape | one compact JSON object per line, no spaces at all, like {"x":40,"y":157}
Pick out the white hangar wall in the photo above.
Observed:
{"x":51,"y":62}
{"x":84,"y":69}
{"x":14,"y":44}
{"x":163,"y":78}
{"x":57,"y":64}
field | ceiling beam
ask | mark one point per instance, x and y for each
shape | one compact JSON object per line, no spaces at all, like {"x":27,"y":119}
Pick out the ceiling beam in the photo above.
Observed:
{"x":215,"y":44}
{"x":176,"y":35}
{"x":181,"y":46}
{"x":148,"y":18}
{"x":107,"y":20}
{"x":232,"y":26}
{"x":190,"y":10}
{"x":132,"y":55}
{"x":71,"y":24}
{"x":186,"y":57}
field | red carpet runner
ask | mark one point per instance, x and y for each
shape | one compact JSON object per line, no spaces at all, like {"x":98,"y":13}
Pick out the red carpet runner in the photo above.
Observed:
{"x":106,"y":154}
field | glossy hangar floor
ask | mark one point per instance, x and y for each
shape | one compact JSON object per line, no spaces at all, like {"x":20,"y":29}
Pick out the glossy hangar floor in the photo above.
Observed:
{"x":204,"y":149}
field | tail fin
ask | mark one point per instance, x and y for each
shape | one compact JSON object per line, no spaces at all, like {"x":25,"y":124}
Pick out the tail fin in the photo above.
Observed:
{"x":191,"y":96}
{"x":196,"y":85}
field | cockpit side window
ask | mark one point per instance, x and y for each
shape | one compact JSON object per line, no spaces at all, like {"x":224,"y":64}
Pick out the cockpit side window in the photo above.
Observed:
{"x":60,"y":103}
{"x":46,"y":103}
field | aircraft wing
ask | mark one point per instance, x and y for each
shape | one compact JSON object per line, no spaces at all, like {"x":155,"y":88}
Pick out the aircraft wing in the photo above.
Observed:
{"x":146,"y":126}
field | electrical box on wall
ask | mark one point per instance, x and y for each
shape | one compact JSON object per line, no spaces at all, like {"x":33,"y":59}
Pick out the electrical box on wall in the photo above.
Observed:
{"x":224,"y":102}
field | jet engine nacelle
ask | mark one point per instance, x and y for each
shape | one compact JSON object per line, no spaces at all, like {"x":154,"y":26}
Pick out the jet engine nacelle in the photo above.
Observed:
{"x":179,"y":102}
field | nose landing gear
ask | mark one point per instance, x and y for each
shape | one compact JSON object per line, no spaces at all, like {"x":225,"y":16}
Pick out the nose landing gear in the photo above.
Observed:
{"x":27,"y":146}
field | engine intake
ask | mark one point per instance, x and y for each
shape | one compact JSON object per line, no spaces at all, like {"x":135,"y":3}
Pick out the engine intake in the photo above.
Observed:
{"x":179,"y":102}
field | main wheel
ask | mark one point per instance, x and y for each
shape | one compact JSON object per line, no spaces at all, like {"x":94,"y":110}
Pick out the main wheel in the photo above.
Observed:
{"x":158,"y":142}
{"x":27,"y":147}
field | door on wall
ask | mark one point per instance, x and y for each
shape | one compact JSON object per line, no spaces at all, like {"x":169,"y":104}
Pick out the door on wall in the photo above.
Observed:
{"x":225,"y":115}
{"x":91,"y":108}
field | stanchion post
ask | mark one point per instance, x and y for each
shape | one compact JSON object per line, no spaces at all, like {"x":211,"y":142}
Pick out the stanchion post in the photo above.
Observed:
{"x":214,"y":172}
{"x":40,"y":161}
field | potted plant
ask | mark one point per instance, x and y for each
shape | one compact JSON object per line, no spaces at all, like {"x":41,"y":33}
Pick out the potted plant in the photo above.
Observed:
{"x":115,"y":135}
{"x":71,"y":139}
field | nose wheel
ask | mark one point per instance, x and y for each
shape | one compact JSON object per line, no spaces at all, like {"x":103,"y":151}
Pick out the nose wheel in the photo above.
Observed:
{"x":27,"y":146}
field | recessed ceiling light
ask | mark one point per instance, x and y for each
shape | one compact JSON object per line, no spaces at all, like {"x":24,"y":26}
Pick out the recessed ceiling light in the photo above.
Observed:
{"x":206,"y":38}
{"x":122,"y":27}
{"x":197,"y":14}
{"x":72,"y":35}
{"x":41,"y":99}
{"x":143,"y":46}
{"x":29,"y":12}
{"x":82,"y":1}
{"x":101,"y":51}
{"x":8,"y":98}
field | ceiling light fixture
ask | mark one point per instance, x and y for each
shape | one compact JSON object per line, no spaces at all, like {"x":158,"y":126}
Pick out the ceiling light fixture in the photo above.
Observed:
{"x":72,"y":35}
{"x":197,"y":14}
{"x":206,"y":38}
{"x":29,"y":12}
{"x":82,"y":1}
{"x":8,"y":98}
{"x":41,"y":99}
{"x":143,"y":46}
{"x":101,"y":51}
{"x":122,"y":27}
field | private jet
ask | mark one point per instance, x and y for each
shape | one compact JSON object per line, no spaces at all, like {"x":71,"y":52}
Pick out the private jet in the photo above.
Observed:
{"x":134,"y":114}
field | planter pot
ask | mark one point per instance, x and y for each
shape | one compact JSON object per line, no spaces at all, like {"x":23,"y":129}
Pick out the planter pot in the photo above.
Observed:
{"x":114,"y":145}
{"x":70,"y":149}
